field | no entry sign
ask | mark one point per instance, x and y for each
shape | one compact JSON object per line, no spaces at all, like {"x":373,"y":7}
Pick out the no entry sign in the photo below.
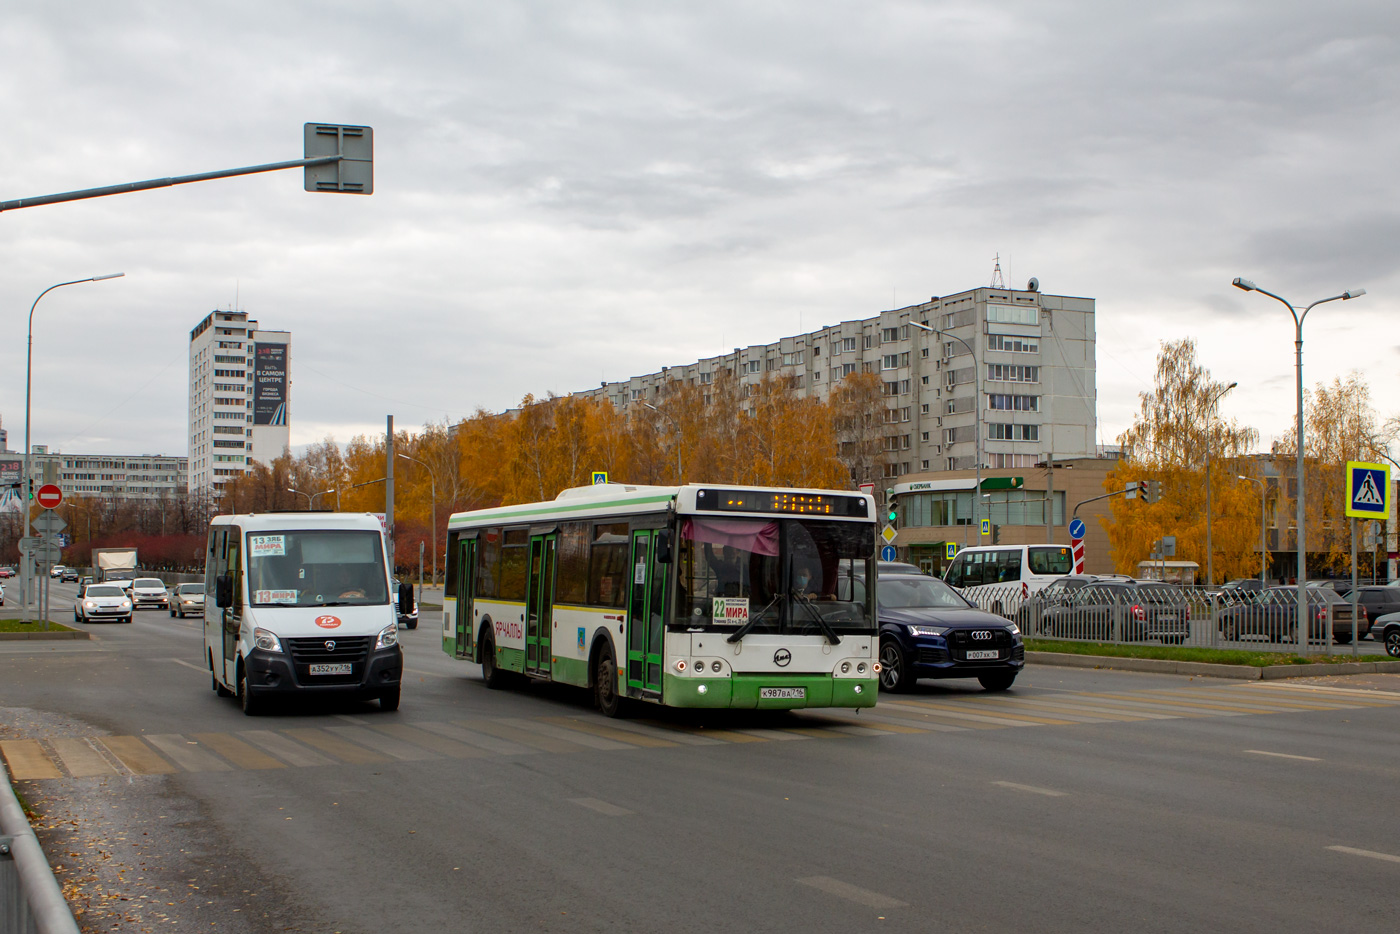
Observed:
{"x":49,"y":495}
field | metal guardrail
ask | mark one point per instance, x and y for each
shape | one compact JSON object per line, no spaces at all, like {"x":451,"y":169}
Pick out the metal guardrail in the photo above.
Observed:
{"x":31,"y":901}
{"x":1134,"y":612}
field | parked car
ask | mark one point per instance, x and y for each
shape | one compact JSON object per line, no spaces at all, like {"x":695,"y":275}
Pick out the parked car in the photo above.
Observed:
{"x":408,"y":619}
{"x":1275,"y":615}
{"x":70,"y":576}
{"x":2,"y":594}
{"x":1123,"y":610}
{"x":7,"y":572}
{"x":929,"y":630}
{"x":187,"y":598}
{"x":83,"y":582}
{"x":1386,"y":631}
{"x":1378,"y":599}
{"x":149,"y":591}
{"x":102,"y":601}
{"x":895,"y":567}
{"x":1243,"y":590}
{"x":1030,"y":615}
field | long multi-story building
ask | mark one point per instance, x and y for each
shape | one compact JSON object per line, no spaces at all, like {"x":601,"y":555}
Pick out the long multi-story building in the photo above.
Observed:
{"x":240,"y":378}
{"x":1013,"y":369}
{"x":111,"y":476}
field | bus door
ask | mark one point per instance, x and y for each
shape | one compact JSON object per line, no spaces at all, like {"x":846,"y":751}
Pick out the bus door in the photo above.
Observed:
{"x":645,"y":606}
{"x":231,"y":618}
{"x":539,"y":603}
{"x":466,"y":586}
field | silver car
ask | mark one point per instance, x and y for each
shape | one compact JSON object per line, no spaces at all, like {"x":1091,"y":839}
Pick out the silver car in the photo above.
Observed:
{"x":187,"y":598}
{"x":149,"y":591}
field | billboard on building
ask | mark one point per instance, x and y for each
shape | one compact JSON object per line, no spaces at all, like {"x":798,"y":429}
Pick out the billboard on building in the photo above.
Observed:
{"x":269,"y":384}
{"x":11,"y":484}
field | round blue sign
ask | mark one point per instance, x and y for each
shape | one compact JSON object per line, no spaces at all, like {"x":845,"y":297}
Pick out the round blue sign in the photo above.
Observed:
{"x":887,"y":553}
{"x":1076,"y":528}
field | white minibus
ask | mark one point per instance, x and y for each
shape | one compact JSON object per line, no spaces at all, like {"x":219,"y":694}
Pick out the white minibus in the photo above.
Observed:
{"x":999,"y":577}
{"x":298,"y":604}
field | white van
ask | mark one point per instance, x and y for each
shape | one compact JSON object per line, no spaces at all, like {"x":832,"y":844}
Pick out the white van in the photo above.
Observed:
{"x":298,"y":603}
{"x":999,"y":577}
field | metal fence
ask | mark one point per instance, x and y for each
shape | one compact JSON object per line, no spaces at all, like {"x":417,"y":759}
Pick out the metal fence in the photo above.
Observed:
{"x":1131,"y":612}
{"x":31,"y":901}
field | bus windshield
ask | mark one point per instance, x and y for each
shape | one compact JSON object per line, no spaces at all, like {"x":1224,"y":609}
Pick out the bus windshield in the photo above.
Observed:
{"x":773,"y":575}
{"x":324,"y":567}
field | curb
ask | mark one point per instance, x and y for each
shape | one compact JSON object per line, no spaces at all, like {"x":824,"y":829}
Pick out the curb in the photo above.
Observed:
{"x":44,"y":636}
{"x":1210,"y":670}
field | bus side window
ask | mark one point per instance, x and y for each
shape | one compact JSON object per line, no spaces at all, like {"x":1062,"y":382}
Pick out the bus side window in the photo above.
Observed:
{"x":957,"y":571}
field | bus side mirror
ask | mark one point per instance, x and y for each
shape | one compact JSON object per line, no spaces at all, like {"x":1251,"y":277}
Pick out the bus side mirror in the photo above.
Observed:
{"x":223,"y":591}
{"x":663,"y":546}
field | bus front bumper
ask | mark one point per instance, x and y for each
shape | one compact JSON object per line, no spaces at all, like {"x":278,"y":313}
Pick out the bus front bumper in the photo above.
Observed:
{"x":770,"y":692}
{"x":274,"y":673}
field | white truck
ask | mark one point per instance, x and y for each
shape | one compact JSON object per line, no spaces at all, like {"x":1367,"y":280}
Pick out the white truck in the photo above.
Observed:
{"x":113,"y":563}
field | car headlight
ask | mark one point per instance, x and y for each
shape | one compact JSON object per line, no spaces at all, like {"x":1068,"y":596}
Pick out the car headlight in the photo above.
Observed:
{"x":388,"y":636}
{"x":1014,"y":629}
{"x":126,"y":604}
{"x":267,"y":641}
{"x":89,"y":605}
{"x":927,"y":630}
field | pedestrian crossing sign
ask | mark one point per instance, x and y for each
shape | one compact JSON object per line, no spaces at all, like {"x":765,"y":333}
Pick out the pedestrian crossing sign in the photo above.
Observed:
{"x":1368,"y":490}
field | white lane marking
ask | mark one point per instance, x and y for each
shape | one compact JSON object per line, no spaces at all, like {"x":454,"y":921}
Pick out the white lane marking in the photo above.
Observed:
{"x":1281,"y":755}
{"x":1014,"y":786}
{"x":180,"y":661}
{"x":1359,"y":693}
{"x":852,"y":892}
{"x":1372,"y":854}
{"x":602,"y":807}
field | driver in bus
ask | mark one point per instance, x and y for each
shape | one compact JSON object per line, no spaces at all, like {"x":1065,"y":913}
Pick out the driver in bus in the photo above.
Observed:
{"x":727,"y":567}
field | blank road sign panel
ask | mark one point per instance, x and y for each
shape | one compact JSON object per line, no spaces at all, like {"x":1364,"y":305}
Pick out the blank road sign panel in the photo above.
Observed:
{"x":354,"y":173}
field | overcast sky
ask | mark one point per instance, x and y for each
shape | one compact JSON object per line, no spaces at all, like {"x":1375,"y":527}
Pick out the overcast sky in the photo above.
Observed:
{"x":573,"y":191}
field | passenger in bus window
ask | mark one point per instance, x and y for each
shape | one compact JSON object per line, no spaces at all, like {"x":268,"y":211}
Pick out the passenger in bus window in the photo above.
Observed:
{"x":728,"y":568}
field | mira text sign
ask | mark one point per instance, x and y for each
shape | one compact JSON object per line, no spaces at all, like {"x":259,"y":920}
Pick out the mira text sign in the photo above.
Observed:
{"x":1368,"y":490}
{"x":269,"y":384}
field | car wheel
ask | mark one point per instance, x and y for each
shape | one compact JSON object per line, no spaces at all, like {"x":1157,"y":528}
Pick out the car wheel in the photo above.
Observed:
{"x":1392,"y":642}
{"x":389,"y":702}
{"x":75,"y":615}
{"x":494,"y":677}
{"x":997,"y":680}
{"x":1343,"y":638}
{"x":894,"y":670}
{"x":411,"y":624}
{"x":251,"y":707}
{"x":605,"y":693}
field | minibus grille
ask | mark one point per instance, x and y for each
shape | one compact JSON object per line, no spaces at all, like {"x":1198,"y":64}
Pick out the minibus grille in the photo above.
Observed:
{"x":315,"y":651}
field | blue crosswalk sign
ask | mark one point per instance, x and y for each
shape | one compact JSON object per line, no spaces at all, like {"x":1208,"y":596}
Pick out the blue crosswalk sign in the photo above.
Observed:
{"x":1368,"y":490}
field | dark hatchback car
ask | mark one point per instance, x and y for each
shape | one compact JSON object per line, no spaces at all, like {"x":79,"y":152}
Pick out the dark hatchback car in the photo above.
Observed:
{"x":928,"y":630}
{"x":1378,"y":599}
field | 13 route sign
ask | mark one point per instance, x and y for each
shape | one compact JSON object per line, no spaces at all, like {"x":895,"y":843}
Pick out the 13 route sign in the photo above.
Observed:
{"x":1368,"y":490}
{"x":49,"y":496}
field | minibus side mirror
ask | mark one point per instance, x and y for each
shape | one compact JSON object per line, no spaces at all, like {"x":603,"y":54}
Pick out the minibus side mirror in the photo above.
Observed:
{"x":223,"y":591}
{"x":663,"y":546}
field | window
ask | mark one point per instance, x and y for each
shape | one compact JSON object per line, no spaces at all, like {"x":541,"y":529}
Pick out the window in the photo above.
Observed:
{"x":889,"y":361}
{"x":847,"y":369}
{"x":904,"y":386}
{"x":904,"y":359}
{"x":607,"y":568}
{"x":1013,"y":314}
{"x":1011,"y":460}
{"x":892,"y":388}
{"x":848,"y":344}
{"x":1012,"y":344}
{"x":1013,"y":373}
{"x":794,"y":359}
{"x":754,"y":366}
{"x":889,"y":335}
{"x":869,"y":341}
{"x":571,"y":582}
{"x":1010,"y":403}
{"x":515,"y":551}
{"x":706,"y":378}
{"x":997,"y":431}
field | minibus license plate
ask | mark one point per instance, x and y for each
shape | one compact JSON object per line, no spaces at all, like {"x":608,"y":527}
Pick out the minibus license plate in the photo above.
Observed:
{"x":782,"y":693}
{"x":975,"y":655}
{"x":337,"y":668}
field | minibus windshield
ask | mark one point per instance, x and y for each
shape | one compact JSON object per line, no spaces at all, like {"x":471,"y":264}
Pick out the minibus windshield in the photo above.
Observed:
{"x":324,"y":567}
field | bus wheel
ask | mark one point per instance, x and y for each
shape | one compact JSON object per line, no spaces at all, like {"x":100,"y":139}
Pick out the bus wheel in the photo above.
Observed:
{"x":605,"y":684}
{"x":494,"y":677}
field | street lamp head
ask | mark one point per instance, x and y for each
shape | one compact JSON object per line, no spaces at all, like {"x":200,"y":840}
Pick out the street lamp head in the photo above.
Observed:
{"x":1244,"y":284}
{"x":1353,"y":293}
{"x":1231,"y":386}
{"x":1240,"y":476}
{"x":110,"y":275}
{"x":650,"y":406}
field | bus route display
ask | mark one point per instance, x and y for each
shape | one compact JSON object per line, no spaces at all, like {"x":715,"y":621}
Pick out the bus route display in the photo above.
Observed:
{"x":774,"y":501}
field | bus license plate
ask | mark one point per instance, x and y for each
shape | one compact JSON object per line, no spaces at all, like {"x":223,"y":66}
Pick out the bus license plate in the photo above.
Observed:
{"x":338,"y":668}
{"x":977,"y":655}
{"x":782,"y":693}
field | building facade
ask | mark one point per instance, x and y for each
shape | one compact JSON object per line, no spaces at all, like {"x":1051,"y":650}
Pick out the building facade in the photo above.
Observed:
{"x":111,"y":476}
{"x":1010,"y":372}
{"x":239,"y":388}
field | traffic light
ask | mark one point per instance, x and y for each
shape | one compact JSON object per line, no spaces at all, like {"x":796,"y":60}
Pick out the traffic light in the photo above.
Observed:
{"x":1152,"y":490}
{"x":996,"y":534}
{"x":894,"y":509}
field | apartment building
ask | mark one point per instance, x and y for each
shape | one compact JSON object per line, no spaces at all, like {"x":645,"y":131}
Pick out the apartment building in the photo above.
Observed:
{"x":1009,"y":372}
{"x":111,"y":476}
{"x":240,"y":381}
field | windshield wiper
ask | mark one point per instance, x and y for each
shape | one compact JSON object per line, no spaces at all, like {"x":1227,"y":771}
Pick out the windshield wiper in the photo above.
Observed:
{"x":747,"y":628}
{"x":821,"y":622}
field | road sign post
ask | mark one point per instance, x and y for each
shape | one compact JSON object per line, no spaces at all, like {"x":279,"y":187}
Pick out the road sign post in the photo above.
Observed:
{"x":1076,"y":543}
{"x":49,"y":496}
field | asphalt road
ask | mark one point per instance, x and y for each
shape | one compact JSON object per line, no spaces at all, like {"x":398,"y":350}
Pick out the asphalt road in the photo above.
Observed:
{"x":1079,"y":801}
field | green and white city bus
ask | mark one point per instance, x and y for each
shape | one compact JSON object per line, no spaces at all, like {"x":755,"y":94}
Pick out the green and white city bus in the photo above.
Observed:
{"x":691,"y":596}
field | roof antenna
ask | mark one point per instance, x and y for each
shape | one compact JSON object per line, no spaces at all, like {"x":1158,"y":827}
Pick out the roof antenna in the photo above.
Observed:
{"x":997,"y":281}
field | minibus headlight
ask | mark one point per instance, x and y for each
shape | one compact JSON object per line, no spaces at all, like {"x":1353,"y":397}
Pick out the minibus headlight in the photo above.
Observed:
{"x":388,"y":637}
{"x":267,"y":641}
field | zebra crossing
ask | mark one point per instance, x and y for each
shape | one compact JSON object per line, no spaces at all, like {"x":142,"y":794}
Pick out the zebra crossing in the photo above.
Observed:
{"x":368,"y":743}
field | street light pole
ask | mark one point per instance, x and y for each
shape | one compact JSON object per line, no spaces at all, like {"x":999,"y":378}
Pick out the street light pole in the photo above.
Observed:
{"x":1210,"y":420}
{"x":1248,"y":286}
{"x":28,"y":383}
{"x":433,"y":485}
{"x":976,"y":421}
{"x":300,"y":493}
{"x":1263,"y":491}
{"x":678,"y":437}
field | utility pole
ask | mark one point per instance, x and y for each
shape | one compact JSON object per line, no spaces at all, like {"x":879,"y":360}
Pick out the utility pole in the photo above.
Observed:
{"x":389,"y":493}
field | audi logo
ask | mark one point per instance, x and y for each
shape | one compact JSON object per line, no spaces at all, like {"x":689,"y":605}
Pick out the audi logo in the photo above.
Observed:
{"x":330,"y":645}
{"x":981,"y":635}
{"x":782,"y":657}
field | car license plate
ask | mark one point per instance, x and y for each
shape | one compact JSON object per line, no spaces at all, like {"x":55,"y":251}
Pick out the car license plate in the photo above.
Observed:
{"x":337,"y":668}
{"x":977,"y":655}
{"x":782,"y":693}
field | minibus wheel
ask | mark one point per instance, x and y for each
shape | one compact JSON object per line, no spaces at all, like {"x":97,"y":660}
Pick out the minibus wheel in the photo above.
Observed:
{"x":389,"y":702}
{"x":250,"y":706}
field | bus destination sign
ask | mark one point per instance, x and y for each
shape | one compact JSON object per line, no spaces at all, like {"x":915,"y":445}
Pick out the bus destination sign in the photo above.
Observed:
{"x":814,"y":504}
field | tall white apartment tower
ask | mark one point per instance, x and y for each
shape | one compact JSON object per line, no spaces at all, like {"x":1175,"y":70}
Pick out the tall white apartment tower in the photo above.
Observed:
{"x":240,"y":378}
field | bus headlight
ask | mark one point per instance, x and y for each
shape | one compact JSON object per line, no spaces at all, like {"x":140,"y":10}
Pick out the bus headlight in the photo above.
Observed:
{"x":267,"y":641}
{"x":388,"y":637}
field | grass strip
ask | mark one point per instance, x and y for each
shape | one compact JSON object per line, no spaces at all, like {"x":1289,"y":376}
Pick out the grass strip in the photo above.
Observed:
{"x":1179,"y":653}
{"x":15,"y":625}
